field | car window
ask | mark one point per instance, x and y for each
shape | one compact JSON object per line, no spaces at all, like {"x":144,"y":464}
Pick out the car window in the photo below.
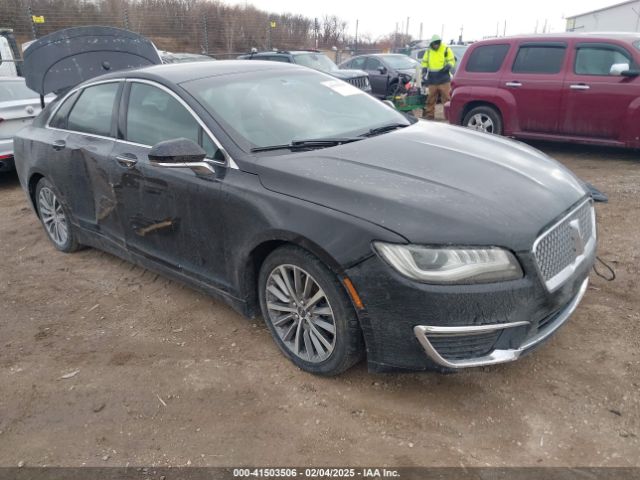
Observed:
{"x":317,"y":61}
{"x":154,"y":116}
{"x":16,"y":90}
{"x":275,"y":58}
{"x":373,"y":64}
{"x":539,"y":59}
{"x":358,"y":63}
{"x":487,"y":58}
{"x":59,"y":120}
{"x":597,"y":60}
{"x":400,"y":62}
{"x":93,"y":111}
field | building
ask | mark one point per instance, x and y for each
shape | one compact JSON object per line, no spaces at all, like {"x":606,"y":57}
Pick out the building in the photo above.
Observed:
{"x":621,"y":17}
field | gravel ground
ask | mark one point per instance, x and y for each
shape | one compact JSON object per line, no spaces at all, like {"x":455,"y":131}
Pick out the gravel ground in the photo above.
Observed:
{"x":103,"y":363}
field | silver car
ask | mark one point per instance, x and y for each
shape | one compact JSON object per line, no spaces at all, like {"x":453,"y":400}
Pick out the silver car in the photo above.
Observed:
{"x":19,"y":105}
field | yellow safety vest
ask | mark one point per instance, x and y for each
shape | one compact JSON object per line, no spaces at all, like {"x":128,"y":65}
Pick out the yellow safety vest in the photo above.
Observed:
{"x":435,"y":60}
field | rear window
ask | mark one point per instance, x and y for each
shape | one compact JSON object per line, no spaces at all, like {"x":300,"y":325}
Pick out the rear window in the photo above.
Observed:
{"x":93,"y":111}
{"x":539,"y":59}
{"x":16,"y":90}
{"x":487,"y":58}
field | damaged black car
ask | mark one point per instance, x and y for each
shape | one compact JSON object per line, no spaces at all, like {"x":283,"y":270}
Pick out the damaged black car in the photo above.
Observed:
{"x":354,"y":231}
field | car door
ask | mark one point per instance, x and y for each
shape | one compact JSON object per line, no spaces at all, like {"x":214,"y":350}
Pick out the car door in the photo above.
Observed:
{"x":534,"y":84}
{"x":596,"y":102}
{"x":81,"y":139}
{"x":378,"y":76}
{"x":168,"y":214}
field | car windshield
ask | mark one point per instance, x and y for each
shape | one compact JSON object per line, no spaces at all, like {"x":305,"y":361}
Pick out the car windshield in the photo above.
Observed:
{"x":317,"y":61}
{"x":15,"y":90}
{"x":399,"y":62}
{"x":279,"y":108}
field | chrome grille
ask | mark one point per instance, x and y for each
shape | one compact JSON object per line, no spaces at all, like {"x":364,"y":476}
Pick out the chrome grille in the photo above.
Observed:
{"x":361,"y":82}
{"x":563,"y":247}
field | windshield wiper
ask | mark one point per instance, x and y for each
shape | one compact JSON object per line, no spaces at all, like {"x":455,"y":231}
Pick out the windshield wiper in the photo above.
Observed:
{"x":383,"y":129}
{"x":308,"y":144}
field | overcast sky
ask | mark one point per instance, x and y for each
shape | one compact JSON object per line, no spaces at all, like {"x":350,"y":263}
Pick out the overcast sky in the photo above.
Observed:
{"x":479,"y":19}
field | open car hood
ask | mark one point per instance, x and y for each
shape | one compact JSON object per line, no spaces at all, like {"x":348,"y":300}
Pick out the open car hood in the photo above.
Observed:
{"x":68,"y":57}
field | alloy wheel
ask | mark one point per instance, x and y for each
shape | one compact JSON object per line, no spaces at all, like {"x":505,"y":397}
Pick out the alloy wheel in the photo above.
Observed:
{"x":53,"y":217}
{"x":300,"y":313}
{"x":481,"y":122}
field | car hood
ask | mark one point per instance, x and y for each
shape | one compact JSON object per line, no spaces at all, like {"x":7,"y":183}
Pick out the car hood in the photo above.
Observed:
{"x":407,"y":71}
{"x":345,"y":74}
{"x":433,"y":184}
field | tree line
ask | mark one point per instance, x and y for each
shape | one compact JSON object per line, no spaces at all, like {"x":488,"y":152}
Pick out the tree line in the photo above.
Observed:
{"x":197,"y":26}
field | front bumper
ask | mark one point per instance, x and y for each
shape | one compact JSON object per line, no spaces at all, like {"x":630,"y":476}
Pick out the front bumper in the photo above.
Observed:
{"x":535,"y":336}
{"x":497,"y":322}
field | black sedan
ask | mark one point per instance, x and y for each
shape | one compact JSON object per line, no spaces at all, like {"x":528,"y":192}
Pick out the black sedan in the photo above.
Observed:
{"x":288,"y":193}
{"x":386,"y":71}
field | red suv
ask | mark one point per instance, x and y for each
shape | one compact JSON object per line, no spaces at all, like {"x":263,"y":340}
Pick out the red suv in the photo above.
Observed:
{"x":568,"y":87}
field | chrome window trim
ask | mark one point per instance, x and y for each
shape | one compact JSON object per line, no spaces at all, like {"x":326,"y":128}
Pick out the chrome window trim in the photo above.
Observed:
{"x":228,"y":159}
{"x":67,"y":95}
{"x":555,"y":282}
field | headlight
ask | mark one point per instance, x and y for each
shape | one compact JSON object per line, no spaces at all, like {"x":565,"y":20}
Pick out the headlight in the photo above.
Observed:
{"x":451,"y":265}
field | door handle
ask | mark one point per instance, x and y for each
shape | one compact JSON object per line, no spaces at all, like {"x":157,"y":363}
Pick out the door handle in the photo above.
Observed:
{"x":58,"y":145}
{"x":127,"y":159}
{"x":513,"y":84}
{"x":579,"y":86}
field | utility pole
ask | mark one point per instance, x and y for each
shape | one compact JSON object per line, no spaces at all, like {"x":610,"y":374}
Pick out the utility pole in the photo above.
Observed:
{"x":420,"y":37}
{"x":504,"y":32}
{"x":442,"y":32}
{"x":460,"y":37}
{"x":206,"y":35}
{"x":406,"y":36}
{"x":537,"y":22}
{"x":316,"y":29}
{"x":544,"y":29}
{"x":395,"y":38}
{"x":355,"y":46}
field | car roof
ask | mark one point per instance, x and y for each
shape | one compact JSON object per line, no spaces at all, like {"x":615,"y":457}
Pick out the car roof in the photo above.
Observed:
{"x":628,"y":37}
{"x":177,"y":73}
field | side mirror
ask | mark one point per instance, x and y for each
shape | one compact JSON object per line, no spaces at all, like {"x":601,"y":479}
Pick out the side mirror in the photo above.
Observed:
{"x":177,"y":153}
{"x":382,"y":70}
{"x":619,"y":69}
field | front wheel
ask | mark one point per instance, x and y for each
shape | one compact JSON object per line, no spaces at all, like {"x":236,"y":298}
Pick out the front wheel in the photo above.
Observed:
{"x":484,"y":119}
{"x":308,"y":312}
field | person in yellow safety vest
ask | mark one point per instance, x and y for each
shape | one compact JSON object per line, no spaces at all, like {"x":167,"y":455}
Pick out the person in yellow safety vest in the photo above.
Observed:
{"x":437,"y":63}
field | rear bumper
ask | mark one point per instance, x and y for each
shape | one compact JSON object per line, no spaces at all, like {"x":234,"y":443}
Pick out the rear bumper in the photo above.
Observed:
{"x":426,"y":334}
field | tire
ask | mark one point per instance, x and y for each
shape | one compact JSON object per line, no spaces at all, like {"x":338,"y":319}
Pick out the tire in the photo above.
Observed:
{"x":391,"y":89}
{"x":55,"y":217}
{"x":342,"y":349}
{"x":484,"y":119}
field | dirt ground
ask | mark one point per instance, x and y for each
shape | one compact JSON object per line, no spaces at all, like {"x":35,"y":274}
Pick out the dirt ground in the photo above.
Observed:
{"x":161,"y":375}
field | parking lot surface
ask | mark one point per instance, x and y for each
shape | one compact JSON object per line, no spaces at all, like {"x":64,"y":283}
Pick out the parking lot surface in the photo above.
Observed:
{"x":103,"y":363}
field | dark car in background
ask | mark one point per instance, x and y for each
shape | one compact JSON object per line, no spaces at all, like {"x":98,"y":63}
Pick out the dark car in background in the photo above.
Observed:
{"x":575,"y":87}
{"x":280,"y":190}
{"x":385,"y":70}
{"x":316,"y":60}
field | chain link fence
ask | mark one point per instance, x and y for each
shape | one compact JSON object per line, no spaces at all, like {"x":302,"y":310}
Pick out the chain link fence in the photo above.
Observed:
{"x":194,"y":26}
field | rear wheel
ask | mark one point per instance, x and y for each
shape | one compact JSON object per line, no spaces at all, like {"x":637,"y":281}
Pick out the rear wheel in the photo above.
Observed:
{"x":484,"y":119}
{"x":308,"y":312}
{"x":54,"y":217}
